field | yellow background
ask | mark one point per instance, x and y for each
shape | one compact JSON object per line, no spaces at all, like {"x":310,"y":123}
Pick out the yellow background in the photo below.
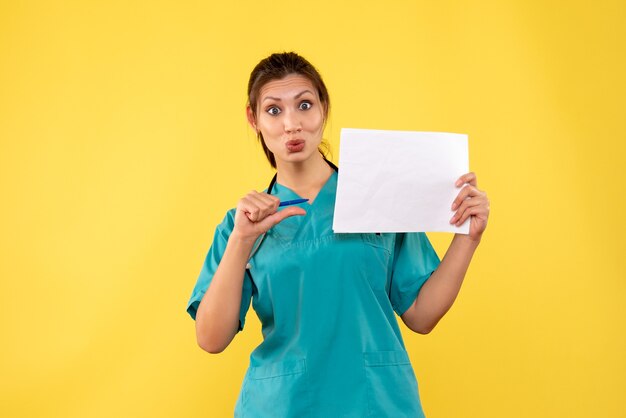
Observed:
{"x":124,"y":141}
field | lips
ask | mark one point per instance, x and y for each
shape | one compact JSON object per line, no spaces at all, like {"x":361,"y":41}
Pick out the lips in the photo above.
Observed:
{"x":295,"y":145}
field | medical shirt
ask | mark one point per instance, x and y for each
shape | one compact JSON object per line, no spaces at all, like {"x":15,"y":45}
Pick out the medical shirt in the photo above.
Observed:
{"x":331,"y":342}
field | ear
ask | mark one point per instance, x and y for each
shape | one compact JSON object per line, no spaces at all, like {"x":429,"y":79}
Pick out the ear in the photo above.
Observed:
{"x":251,"y":118}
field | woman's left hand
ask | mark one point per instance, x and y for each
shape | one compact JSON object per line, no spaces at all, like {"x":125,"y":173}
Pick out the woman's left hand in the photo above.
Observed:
{"x":471,"y":203}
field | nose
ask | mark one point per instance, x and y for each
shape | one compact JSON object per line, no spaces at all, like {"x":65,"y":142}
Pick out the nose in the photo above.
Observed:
{"x":292,"y":122}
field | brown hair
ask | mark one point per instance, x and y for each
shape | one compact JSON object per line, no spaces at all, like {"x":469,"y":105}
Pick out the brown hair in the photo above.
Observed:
{"x":275,"y":67}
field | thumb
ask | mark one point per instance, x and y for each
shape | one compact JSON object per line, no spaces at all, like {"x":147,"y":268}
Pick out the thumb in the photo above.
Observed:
{"x":279,"y":216}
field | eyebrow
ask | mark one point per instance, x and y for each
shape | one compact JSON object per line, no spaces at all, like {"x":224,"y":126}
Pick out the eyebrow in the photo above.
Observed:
{"x":295,"y":97}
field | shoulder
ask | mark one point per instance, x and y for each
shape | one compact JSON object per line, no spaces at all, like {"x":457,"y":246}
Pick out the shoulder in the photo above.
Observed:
{"x":225,"y":227}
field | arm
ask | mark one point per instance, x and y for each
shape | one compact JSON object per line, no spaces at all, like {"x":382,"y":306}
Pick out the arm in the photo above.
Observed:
{"x":217,"y":318}
{"x":441,"y":289}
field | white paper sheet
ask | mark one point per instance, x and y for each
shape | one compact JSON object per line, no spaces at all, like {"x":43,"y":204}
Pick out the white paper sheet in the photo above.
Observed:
{"x":399,"y":181}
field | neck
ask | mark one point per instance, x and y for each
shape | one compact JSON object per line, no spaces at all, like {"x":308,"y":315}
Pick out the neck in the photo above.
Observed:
{"x":305,"y":176}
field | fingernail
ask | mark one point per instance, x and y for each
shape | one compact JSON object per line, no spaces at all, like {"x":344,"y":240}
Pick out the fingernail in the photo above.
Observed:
{"x":458,"y":182}
{"x":454,"y":206}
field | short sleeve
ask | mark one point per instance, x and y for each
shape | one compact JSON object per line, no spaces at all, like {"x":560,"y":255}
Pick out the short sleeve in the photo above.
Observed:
{"x":414,"y":261}
{"x":211,"y":261}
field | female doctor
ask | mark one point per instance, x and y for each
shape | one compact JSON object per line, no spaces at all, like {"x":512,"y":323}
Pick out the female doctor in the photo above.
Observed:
{"x":331,"y":345}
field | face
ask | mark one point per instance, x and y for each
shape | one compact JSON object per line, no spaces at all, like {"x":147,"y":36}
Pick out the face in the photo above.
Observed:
{"x":291,"y":118}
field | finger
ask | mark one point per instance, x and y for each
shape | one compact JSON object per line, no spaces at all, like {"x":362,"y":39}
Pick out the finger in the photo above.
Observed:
{"x":269,"y":197}
{"x":279,"y":216}
{"x":263,"y":196}
{"x":467,"y":191}
{"x":266,"y":206}
{"x":249,"y":208}
{"x":270,"y":200}
{"x":467,"y":178}
{"x":472,"y":211}
{"x":468,"y":203}
{"x":475,"y":212}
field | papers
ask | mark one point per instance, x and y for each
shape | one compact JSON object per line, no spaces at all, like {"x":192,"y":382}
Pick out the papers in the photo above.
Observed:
{"x":399,"y":181}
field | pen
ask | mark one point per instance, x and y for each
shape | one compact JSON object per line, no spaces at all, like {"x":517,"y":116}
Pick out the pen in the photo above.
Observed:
{"x":292,"y":202}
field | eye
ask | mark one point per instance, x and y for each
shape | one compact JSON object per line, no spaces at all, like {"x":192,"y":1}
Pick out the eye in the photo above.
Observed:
{"x":306,"y":105}
{"x":273,"y":110}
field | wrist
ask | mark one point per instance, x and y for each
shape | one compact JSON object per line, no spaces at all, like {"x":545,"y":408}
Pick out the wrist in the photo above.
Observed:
{"x":241,"y":240}
{"x":467,"y":240}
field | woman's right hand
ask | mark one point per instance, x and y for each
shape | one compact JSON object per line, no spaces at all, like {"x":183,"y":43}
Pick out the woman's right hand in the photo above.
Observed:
{"x":257,"y":212}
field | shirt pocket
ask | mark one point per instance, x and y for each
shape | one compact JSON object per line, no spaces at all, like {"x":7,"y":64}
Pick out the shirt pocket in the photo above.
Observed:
{"x":377,"y":258}
{"x":392,"y":389}
{"x":278,"y":389}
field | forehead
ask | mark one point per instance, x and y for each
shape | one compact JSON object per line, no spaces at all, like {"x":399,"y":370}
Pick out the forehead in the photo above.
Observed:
{"x":287,"y":87}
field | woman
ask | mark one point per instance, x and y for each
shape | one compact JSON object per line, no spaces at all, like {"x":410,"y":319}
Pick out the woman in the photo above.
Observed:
{"x":332,"y":346}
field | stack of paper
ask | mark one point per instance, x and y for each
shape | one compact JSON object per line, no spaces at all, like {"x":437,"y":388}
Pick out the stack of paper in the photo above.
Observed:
{"x":399,"y":181}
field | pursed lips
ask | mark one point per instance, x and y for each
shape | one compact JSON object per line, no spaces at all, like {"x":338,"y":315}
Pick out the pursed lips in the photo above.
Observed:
{"x":295,"y":145}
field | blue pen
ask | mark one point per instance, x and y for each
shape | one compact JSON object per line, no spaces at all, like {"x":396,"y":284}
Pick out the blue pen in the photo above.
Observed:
{"x":293,"y":202}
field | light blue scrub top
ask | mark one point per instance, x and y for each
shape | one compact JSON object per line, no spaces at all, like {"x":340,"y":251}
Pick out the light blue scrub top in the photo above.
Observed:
{"x":332,"y":346}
